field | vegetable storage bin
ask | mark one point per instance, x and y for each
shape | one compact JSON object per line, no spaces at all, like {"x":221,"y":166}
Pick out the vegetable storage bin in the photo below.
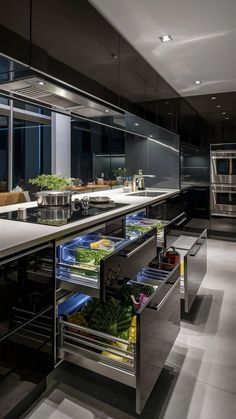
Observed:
{"x":137,"y":359}
{"x":78,"y":260}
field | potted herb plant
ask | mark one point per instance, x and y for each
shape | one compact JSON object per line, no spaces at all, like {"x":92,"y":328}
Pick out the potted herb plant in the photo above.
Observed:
{"x":53,"y":190}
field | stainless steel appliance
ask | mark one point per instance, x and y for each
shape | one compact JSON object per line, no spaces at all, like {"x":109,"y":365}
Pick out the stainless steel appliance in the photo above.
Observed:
{"x":223,"y":200}
{"x":223,"y":180}
{"x":54,"y":198}
{"x":223,"y":166}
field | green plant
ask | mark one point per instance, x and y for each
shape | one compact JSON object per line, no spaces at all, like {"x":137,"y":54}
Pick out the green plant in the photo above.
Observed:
{"x":120,"y":172}
{"x":51,"y":182}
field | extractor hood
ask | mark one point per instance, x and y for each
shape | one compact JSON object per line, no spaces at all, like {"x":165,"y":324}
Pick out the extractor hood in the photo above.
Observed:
{"x":58,"y":98}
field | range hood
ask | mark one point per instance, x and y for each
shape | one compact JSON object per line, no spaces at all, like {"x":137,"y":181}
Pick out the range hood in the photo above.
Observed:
{"x":56,"y":97}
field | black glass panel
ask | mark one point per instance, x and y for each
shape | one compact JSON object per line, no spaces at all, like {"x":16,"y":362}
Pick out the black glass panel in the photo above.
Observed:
{"x":225,"y":198}
{"x":26,"y":289}
{"x":222,"y":166}
{"x":31,"y":151}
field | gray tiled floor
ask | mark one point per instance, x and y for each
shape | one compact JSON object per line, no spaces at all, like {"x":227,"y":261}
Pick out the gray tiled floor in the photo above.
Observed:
{"x":199,"y":381}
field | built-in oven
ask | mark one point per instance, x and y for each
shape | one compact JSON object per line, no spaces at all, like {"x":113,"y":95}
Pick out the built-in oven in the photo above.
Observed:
{"x":223,"y":166}
{"x":223,"y":200}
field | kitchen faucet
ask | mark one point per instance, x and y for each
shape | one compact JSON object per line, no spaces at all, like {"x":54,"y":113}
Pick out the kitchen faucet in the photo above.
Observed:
{"x":139,"y":179}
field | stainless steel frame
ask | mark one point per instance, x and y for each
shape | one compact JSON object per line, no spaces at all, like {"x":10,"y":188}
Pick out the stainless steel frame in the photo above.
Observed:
{"x":138,"y":364}
{"x":195,"y":267}
{"x":222,"y":155}
{"x":224,"y":210}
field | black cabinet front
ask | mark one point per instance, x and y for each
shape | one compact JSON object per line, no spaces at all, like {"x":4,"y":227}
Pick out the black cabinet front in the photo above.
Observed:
{"x":26,"y":326}
{"x":15,"y":30}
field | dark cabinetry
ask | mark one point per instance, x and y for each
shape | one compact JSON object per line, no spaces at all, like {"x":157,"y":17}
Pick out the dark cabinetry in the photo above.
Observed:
{"x":15,"y":30}
{"x":81,"y":41}
{"x":200,"y":202}
{"x":26,"y":326}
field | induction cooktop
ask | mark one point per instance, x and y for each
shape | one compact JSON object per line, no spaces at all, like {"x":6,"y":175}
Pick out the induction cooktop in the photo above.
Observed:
{"x":55,"y":216}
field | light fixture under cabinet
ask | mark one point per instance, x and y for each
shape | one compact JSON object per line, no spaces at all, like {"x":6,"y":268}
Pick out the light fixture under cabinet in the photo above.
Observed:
{"x":197,"y":82}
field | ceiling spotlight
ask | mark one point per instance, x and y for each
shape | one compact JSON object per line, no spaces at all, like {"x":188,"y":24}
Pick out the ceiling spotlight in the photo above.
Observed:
{"x":218,"y":106}
{"x":107,"y":110}
{"x":227,"y":117}
{"x":197,"y":82}
{"x":213,"y":98}
{"x":41,"y":83}
{"x":151,"y":136}
{"x":136,"y":124}
{"x":223,"y":113}
{"x":167,"y":103}
{"x":165,"y":38}
{"x":169,"y":113}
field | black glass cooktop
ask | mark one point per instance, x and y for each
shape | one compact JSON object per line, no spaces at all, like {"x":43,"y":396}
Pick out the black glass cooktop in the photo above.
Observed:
{"x":54,"y":216}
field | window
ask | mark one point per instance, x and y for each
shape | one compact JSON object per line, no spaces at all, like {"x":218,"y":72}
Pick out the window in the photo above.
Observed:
{"x":31,"y":150}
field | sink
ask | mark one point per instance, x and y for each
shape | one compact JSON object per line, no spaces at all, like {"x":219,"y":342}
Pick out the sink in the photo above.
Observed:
{"x":146,"y":193}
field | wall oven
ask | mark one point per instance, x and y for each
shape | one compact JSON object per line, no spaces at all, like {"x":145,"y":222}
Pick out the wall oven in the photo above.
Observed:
{"x":223,"y":200}
{"x":223,"y":166}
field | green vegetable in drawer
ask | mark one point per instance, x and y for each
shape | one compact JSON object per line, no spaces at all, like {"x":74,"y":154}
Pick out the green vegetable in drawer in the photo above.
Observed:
{"x":90,"y":308}
{"x":78,"y":319}
{"x":159,"y":227}
{"x":90,"y":256}
{"x":138,"y":228}
{"x":112,"y":317}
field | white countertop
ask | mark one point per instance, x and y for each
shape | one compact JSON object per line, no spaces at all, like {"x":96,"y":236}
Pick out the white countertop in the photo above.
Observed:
{"x":16,"y":236}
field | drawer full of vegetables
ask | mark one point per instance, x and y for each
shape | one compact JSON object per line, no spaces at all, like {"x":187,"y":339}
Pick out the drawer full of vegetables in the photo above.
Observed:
{"x":92,"y":262}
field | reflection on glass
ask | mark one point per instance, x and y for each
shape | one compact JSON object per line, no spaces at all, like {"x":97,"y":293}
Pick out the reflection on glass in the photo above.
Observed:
{"x":3,"y":153}
{"x":31,"y":151}
{"x":97,"y":155}
{"x":31,"y":108}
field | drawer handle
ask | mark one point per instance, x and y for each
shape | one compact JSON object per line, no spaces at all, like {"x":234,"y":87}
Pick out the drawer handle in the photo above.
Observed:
{"x":171,"y":290}
{"x":196,"y":251}
{"x":136,"y":250}
{"x":156,"y":205}
{"x":181,"y":222}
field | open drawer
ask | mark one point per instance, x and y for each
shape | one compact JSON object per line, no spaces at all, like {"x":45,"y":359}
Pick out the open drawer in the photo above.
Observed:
{"x":137,"y":359}
{"x":82,"y":266}
{"x":193,"y":251}
{"x":138,"y":223}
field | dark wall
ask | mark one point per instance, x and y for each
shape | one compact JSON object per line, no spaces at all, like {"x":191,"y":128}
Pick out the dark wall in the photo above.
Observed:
{"x":219,"y":113}
{"x":70,"y":40}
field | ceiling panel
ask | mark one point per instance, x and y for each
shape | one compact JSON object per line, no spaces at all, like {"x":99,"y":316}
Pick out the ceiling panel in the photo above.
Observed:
{"x":203,"y":46}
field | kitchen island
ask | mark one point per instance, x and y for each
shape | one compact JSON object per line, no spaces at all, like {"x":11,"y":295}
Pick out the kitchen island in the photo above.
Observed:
{"x":42,"y":279}
{"x":18,"y":236}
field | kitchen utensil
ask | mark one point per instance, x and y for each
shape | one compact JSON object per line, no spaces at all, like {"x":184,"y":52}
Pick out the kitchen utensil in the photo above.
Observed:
{"x":99,"y":199}
{"x":54,"y":198}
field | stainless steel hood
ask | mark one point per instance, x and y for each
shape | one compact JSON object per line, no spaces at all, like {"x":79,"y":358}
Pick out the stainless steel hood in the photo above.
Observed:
{"x":56,"y":97}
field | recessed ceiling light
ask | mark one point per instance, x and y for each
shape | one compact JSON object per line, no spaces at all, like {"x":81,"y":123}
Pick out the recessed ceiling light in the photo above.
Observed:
{"x":41,"y":83}
{"x":218,"y":106}
{"x":213,"y":98}
{"x":136,"y":124}
{"x":167,"y":103}
{"x":197,"y":82}
{"x":150,"y":136}
{"x":169,"y":113}
{"x":165,"y":38}
{"x":107,"y":110}
{"x":227,"y":117}
{"x":223,"y":113}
